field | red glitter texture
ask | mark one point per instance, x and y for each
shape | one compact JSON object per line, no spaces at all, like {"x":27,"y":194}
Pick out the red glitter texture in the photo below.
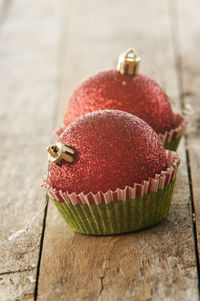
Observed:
{"x":114,"y":149}
{"x":137,"y":94}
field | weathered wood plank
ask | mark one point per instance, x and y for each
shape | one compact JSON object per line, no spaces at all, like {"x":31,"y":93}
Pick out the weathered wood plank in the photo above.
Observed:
{"x":189,"y":43}
{"x":29,"y":52}
{"x":154,"y":264}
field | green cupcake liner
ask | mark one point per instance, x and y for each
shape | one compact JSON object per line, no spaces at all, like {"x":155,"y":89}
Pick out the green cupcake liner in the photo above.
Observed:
{"x":171,"y":139}
{"x":118,"y":217}
{"x":173,"y":145}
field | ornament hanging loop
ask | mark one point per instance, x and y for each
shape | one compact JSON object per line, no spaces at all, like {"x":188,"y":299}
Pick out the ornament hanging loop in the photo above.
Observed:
{"x":128,"y":62}
{"x":59,"y":151}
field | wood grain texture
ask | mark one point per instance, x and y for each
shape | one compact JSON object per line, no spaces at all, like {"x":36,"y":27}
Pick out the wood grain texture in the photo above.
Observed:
{"x":30,"y":36}
{"x":157,"y":263}
{"x":189,"y":43}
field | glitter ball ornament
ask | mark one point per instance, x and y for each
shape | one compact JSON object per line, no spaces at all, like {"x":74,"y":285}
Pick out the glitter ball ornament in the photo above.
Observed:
{"x":123,"y":89}
{"x":111,"y":149}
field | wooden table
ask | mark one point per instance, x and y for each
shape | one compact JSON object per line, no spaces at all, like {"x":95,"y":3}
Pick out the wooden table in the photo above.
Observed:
{"x":46,"y":48}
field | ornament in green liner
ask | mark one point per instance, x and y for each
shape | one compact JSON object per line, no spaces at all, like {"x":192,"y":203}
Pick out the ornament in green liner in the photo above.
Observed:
{"x":118,"y":217}
{"x":110,"y":174}
{"x":126,"y":89}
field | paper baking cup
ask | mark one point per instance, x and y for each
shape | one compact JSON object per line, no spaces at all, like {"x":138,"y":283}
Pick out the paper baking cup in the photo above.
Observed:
{"x":122,"y":210}
{"x":171,"y":139}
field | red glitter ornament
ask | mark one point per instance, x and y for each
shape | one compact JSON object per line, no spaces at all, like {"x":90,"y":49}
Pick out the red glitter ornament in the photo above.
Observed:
{"x":126,"y":91}
{"x":113,"y":149}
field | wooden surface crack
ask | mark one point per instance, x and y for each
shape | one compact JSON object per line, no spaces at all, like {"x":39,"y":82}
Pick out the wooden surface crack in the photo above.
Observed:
{"x":41,"y":247}
{"x":193,"y":217}
{"x":18,"y":271}
{"x":101,"y":283}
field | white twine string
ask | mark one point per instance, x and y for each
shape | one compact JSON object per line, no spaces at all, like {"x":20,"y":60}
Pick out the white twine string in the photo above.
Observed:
{"x":41,"y":209}
{"x":187,"y":110}
{"x":153,"y":75}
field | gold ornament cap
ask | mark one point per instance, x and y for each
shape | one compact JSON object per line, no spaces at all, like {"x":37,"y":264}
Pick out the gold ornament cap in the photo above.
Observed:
{"x":128,"y":62}
{"x":59,"y":151}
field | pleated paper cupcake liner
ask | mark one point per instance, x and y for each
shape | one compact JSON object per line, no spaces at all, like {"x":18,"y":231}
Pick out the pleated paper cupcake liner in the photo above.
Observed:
{"x":122,"y":210}
{"x":171,"y":139}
